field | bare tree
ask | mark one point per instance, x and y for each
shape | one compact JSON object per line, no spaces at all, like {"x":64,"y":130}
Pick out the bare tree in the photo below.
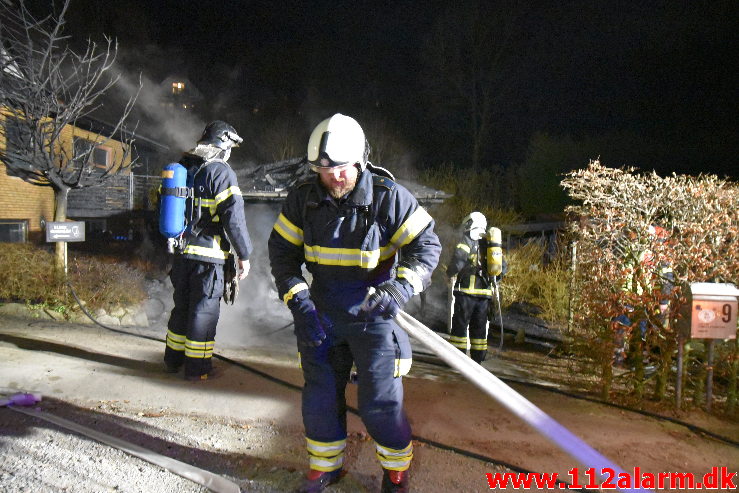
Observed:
{"x":466,"y":59}
{"x":387,"y":148}
{"x":279,"y":140}
{"x":46,"y":90}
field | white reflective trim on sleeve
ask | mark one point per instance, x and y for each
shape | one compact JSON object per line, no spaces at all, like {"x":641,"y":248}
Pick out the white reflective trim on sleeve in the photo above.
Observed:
{"x":407,"y":232}
{"x":462,"y":246}
{"x":412,"y":277}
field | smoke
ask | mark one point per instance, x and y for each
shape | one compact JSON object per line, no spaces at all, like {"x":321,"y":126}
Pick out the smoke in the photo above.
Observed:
{"x":258,"y":318}
{"x":177,"y":131}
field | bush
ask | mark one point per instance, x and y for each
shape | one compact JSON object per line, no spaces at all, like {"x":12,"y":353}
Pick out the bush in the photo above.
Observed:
{"x":620,"y":263}
{"x":30,"y":278}
{"x":530,"y":281}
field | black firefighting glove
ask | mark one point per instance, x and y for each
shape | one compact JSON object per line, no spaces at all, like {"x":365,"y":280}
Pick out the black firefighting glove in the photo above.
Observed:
{"x":308,"y":326}
{"x":386,"y":300}
{"x":230,"y":280}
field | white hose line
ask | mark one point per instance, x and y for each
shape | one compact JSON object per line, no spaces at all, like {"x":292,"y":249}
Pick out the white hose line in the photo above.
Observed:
{"x":583,"y":453}
{"x":500,"y":313}
{"x":213,"y":482}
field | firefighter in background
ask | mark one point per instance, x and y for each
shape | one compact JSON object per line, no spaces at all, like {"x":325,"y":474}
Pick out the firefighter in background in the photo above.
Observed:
{"x":645,"y":272}
{"x":369,"y":247}
{"x":477,"y":265}
{"x":218,"y":225}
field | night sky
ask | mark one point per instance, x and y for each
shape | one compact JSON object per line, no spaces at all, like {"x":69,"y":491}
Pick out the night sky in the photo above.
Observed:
{"x":650,"y":84}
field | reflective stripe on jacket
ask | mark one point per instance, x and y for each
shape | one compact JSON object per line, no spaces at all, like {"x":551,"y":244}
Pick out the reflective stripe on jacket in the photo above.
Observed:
{"x":350,"y":244}
{"x":469,"y":264}
{"x":221,"y":205}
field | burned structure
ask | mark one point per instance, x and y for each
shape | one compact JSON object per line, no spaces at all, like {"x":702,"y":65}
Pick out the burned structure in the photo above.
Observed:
{"x":271,"y":182}
{"x":113,"y":207}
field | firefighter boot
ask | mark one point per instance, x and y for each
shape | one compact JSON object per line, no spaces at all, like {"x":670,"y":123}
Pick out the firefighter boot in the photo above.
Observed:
{"x":395,"y":481}
{"x":317,"y":481}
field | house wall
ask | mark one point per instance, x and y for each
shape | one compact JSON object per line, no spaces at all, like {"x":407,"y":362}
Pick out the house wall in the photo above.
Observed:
{"x":20,"y":200}
{"x":113,"y":146}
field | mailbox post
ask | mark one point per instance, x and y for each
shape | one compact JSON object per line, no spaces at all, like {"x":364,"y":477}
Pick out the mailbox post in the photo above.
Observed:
{"x":713,"y":308}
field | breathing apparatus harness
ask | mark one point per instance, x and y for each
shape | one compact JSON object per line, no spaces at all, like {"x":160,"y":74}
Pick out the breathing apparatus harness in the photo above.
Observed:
{"x":179,"y":226}
{"x":174,"y":221}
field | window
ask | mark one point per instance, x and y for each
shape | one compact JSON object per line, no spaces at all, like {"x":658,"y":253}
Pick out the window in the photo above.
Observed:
{"x":84,"y":153}
{"x":101,"y":157}
{"x":17,"y":142}
{"x":178,"y":87}
{"x":17,"y":134}
{"x":13,"y":230}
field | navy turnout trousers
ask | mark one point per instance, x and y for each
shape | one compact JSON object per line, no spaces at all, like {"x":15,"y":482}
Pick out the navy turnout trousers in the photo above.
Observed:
{"x":380,"y":350}
{"x":472,"y":312}
{"x":198,"y":288}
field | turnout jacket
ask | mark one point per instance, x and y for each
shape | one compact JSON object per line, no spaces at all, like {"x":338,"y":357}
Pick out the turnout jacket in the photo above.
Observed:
{"x":220,"y":207}
{"x":646,"y":272}
{"x":351,"y":244}
{"x":469,"y":264}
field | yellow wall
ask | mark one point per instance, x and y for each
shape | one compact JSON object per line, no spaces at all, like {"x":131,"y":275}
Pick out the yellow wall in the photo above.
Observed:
{"x":21,"y":200}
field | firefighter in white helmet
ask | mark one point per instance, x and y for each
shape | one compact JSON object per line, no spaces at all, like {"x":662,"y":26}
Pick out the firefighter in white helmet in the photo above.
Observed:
{"x":369,"y":247}
{"x":476,"y":263}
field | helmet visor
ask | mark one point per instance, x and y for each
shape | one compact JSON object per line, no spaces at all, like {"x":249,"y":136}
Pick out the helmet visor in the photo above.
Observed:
{"x":330,"y":166}
{"x":234,"y":138}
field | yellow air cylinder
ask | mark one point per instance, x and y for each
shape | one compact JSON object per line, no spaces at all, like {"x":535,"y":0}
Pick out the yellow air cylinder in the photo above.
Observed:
{"x":495,"y":252}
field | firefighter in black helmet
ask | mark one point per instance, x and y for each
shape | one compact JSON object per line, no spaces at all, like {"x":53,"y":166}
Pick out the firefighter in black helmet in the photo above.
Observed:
{"x":217,"y":226}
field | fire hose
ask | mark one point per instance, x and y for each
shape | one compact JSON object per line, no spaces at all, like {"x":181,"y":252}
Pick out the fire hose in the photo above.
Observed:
{"x":202,"y":477}
{"x":451,"y":301}
{"x":509,"y":398}
{"x":500,"y":312}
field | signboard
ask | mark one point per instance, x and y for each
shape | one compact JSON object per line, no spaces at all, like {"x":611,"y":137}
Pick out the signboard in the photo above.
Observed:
{"x":65,"y":231}
{"x":713,"y":319}
{"x":713,"y":310}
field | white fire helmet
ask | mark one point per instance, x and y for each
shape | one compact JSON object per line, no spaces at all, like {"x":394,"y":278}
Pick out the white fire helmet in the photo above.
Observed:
{"x":337,"y":141}
{"x":475,"y":223}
